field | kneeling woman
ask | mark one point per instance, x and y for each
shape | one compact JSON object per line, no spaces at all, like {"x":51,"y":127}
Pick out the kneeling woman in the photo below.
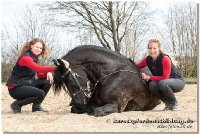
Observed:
{"x":166,"y":78}
{"x":22,"y":84}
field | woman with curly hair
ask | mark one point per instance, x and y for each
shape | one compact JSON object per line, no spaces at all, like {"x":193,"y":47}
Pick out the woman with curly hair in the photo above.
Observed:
{"x":22,"y":84}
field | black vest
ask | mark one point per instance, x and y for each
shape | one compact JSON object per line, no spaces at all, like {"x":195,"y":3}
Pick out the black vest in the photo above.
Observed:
{"x":156,"y":67}
{"x":22,"y":75}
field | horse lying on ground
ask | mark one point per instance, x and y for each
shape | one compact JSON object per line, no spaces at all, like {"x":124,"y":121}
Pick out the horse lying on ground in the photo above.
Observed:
{"x":101,"y":81}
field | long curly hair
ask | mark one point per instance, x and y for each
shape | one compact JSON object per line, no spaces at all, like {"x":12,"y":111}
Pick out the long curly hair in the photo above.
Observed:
{"x":27,"y":46}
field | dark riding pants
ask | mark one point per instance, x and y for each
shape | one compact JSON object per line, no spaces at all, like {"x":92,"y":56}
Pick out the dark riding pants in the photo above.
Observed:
{"x":165,"y":89}
{"x":38,"y":89}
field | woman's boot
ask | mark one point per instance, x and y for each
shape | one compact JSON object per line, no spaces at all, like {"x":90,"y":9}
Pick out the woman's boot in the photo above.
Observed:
{"x":17,"y":105}
{"x":170,"y":101}
{"x":37,"y":105}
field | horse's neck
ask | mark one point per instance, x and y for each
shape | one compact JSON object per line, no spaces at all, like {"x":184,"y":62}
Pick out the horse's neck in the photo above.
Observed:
{"x":93,"y":72}
{"x":98,"y":66}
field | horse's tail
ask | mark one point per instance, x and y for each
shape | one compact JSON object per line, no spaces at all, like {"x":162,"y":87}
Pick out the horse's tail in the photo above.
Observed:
{"x":58,"y":83}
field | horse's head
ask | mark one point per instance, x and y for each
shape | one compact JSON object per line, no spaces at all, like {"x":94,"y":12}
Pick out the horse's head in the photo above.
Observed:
{"x":76,"y":83}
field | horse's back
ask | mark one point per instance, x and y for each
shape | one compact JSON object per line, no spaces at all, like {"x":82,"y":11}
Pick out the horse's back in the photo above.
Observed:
{"x":92,"y":53}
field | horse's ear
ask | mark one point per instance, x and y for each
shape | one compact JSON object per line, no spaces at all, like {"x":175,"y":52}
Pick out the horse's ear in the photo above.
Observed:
{"x":55,"y":62}
{"x":63,"y":63}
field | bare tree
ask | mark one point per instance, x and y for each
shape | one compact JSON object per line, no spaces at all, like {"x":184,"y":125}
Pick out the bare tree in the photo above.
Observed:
{"x":29,"y":24}
{"x":182,"y":27}
{"x":134,"y":42}
{"x":109,"y":21}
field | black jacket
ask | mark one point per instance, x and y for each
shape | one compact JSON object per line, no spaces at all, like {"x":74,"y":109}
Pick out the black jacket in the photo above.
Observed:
{"x":22,"y":75}
{"x":156,"y":67}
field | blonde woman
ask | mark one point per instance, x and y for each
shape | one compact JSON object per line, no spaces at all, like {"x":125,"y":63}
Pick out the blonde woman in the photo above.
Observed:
{"x":22,"y":84}
{"x":166,"y":78}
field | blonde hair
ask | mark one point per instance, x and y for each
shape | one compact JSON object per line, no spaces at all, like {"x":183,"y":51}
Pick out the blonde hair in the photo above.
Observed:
{"x":163,"y":50}
{"x":155,"y":41}
{"x":27,"y":47}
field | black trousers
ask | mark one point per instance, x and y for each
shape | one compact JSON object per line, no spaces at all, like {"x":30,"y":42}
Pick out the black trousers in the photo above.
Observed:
{"x":38,"y":89}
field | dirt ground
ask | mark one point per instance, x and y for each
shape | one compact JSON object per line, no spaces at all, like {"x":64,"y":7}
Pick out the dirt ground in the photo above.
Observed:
{"x":59,"y":118}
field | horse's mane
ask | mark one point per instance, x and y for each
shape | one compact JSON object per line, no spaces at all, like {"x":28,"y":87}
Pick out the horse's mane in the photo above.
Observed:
{"x":132,"y":61}
{"x":77,"y":48}
{"x":92,"y":47}
{"x":58,"y":83}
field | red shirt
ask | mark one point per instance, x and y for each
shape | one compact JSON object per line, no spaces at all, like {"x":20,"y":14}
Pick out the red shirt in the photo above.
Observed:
{"x":42,"y":71}
{"x":166,"y":62}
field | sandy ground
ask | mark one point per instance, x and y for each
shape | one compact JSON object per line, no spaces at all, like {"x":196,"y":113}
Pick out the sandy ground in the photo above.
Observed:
{"x":59,"y":118}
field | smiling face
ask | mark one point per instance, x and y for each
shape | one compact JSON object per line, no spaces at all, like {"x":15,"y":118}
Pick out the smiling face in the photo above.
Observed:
{"x":153,"y":49}
{"x":37,"y":48}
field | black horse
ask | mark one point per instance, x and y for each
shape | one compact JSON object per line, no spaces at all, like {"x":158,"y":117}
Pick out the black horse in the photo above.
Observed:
{"x":101,"y":81}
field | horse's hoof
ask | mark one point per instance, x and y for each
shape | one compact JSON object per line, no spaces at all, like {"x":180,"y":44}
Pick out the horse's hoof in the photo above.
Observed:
{"x":75,"y":110}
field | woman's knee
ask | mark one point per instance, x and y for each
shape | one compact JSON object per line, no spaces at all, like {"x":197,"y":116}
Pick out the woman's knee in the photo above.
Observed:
{"x":153,"y":86}
{"x":40,"y":94}
{"x":163,"y":85}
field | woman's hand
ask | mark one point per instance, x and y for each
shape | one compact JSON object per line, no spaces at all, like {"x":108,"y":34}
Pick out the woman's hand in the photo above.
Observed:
{"x":145,"y":77}
{"x":50,"y":77}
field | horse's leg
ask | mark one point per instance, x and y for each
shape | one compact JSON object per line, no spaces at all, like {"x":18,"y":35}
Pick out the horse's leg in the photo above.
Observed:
{"x":106,"y":109}
{"x":90,"y":109}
